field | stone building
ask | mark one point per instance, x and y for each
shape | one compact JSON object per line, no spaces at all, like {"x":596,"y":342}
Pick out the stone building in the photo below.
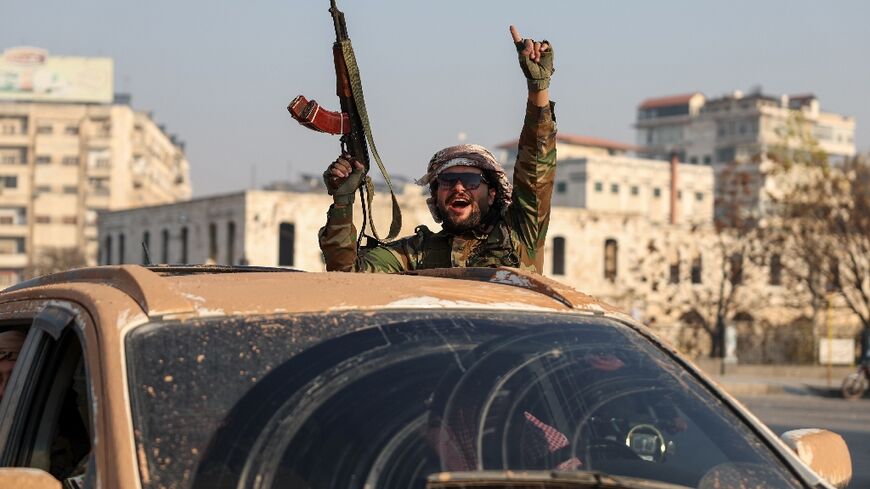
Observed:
{"x":69,"y":152}
{"x":599,"y":175}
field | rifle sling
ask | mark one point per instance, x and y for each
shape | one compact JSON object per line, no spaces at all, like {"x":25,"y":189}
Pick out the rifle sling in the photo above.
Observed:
{"x":359,"y":100}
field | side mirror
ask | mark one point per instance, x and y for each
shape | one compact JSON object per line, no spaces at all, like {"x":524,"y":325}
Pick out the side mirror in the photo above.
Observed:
{"x":26,"y":478}
{"x":823,"y":451}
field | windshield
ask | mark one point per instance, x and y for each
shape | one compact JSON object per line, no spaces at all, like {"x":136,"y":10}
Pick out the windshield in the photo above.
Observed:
{"x":384,"y":400}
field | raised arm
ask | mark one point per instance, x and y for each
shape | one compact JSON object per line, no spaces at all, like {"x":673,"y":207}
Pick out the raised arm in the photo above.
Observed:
{"x":535,"y":168}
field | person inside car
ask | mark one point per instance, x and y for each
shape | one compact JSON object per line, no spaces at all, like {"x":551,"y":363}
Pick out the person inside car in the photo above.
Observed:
{"x":486,"y":221}
{"x":10,"y":347}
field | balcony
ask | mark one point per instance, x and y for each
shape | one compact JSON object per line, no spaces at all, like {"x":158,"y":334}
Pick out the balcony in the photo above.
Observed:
{"x":13,"y":260}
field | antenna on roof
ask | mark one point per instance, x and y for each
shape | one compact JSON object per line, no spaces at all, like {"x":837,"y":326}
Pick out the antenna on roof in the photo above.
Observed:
{"x":147,"y":254}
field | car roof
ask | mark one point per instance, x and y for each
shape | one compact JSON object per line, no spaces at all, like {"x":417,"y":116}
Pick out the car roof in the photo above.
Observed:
{"x":219,"y":290}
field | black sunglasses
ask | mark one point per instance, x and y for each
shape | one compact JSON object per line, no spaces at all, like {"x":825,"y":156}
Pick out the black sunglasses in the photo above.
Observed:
{"x":469,"y":180}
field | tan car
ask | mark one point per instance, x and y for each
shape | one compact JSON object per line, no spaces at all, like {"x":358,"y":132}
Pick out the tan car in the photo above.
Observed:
{"x":210,"y":377}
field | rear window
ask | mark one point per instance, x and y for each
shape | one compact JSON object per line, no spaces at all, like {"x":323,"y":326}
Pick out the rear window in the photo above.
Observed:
{"x":384,"y":400}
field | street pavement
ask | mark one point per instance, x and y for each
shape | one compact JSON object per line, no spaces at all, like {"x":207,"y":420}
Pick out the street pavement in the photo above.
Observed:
{"x":799,"y":407}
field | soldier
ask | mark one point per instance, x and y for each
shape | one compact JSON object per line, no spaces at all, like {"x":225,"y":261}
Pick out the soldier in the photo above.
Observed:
{"x":485,"y":221}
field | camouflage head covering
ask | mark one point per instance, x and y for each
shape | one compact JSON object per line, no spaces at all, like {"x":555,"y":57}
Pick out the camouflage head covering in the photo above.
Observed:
{"x":467,"y":155}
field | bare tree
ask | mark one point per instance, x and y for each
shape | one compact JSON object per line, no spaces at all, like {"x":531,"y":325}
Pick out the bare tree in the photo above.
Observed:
{"x":50,"y":260}
{"x":821,"y":212}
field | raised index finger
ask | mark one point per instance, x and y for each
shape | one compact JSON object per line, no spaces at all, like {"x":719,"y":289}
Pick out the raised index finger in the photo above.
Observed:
{"x":515,"y":34}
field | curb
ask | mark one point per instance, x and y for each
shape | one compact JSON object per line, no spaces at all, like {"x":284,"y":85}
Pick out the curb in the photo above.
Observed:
{"x":763,"y":389}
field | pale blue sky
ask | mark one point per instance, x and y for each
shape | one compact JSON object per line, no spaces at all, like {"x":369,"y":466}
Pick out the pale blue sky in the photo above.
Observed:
{"x":220,"y":73}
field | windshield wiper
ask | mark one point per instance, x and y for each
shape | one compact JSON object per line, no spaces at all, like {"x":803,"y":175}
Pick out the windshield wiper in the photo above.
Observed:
{"x":539,"y":479}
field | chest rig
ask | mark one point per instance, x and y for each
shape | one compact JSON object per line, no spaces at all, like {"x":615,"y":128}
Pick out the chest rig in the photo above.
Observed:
{"x":443,"y":250}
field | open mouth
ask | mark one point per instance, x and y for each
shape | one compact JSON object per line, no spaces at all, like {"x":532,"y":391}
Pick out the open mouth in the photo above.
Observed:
{"x":459,"y":203}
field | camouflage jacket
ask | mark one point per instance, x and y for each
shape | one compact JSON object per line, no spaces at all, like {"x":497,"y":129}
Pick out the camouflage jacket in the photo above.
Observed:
{"x":515,"y":239}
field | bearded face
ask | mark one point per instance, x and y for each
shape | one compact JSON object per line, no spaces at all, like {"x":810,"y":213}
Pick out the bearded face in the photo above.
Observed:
{"x":463,"y":198}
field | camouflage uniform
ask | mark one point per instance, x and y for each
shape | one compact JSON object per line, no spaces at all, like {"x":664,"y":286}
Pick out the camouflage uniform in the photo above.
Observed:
{"x":515,"y":239}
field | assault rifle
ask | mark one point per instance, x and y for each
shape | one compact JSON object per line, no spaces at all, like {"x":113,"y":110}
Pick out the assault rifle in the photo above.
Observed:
{"x":352,"y":123}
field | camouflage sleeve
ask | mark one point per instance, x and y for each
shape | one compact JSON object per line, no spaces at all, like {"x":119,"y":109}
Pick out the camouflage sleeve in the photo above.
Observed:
{"x":338,"y":240}
{"x":534,"y":177}
{"x":338,"y":244}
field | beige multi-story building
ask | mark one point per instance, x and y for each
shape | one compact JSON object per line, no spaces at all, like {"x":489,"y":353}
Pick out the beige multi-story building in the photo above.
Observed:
{"x":65,"y":159}
{"x":735,"y":134}
{"x":736,"y":126}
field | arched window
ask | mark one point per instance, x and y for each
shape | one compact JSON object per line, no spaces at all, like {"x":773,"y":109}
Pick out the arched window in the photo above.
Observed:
{"x":212,"y":242}
{"x":736,"y":262}
{"x":184,"y":245}
{"x":558,"y":255}
{"x":833,"y":282}
{"x":122,"y":244}
{"x":775,"y":269}
{"x":231,"y":243}
{"x":286,"y":244}
{"x":674,"y":269}
{"x":164,"y":246}
{"x":697,"y":269}
{"x":611,"y":250}
{"x":107,"y":251}
{"x":146,"y":248}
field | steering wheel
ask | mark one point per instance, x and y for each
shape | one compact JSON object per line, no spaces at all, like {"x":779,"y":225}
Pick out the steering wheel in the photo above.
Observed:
{"x":647,"y":442}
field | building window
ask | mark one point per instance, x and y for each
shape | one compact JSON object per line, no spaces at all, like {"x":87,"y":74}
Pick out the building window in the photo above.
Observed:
{"x":231,"y":243}
{"x":43,"y":129}
{"x":599,"y":186}
{"x":71,"y":130}
{"x":107,"y":251}
{"x":674,"y":269}
{"x":635,"y":190}
{"x":679,"y":195}
{"x":9,"y":181}
{"x":699,"y":196}
{"x":70,"y":161}
{"x":696,"y":269}
{"x":736,"y":262}
{"x":70,"y":189}
{"x":614,"y":188}
{"x":558,"y":255}
{"x":43,"y":189}
{"x":561,"y":187}
{"x":693,"y":160}
{"x":775,"y":269}
{"x":11,"y":246}
{"x":69,"y":220}
{"x":43,"y":219}
{"x":122,"y":244}
{"x":212,"y":242}
{"x":708,"y":159}
{"x":833,"y":282}
{"x":164,"y":246}
{"x":184,"y":245}
{"x":611,"y":249}
{"x":43,"y":159}
{"x":146,"y":248}
{"x":725,"y":155}
{"x":657,"y":192}
{"x":286,"y":244}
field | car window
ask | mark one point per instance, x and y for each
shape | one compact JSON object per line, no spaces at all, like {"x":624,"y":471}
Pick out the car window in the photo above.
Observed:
{"x":385,"y":400}
{"x":47,"y":407}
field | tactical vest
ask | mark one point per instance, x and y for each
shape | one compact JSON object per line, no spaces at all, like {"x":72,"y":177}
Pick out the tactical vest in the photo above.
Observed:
{"x":497,"y":249}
